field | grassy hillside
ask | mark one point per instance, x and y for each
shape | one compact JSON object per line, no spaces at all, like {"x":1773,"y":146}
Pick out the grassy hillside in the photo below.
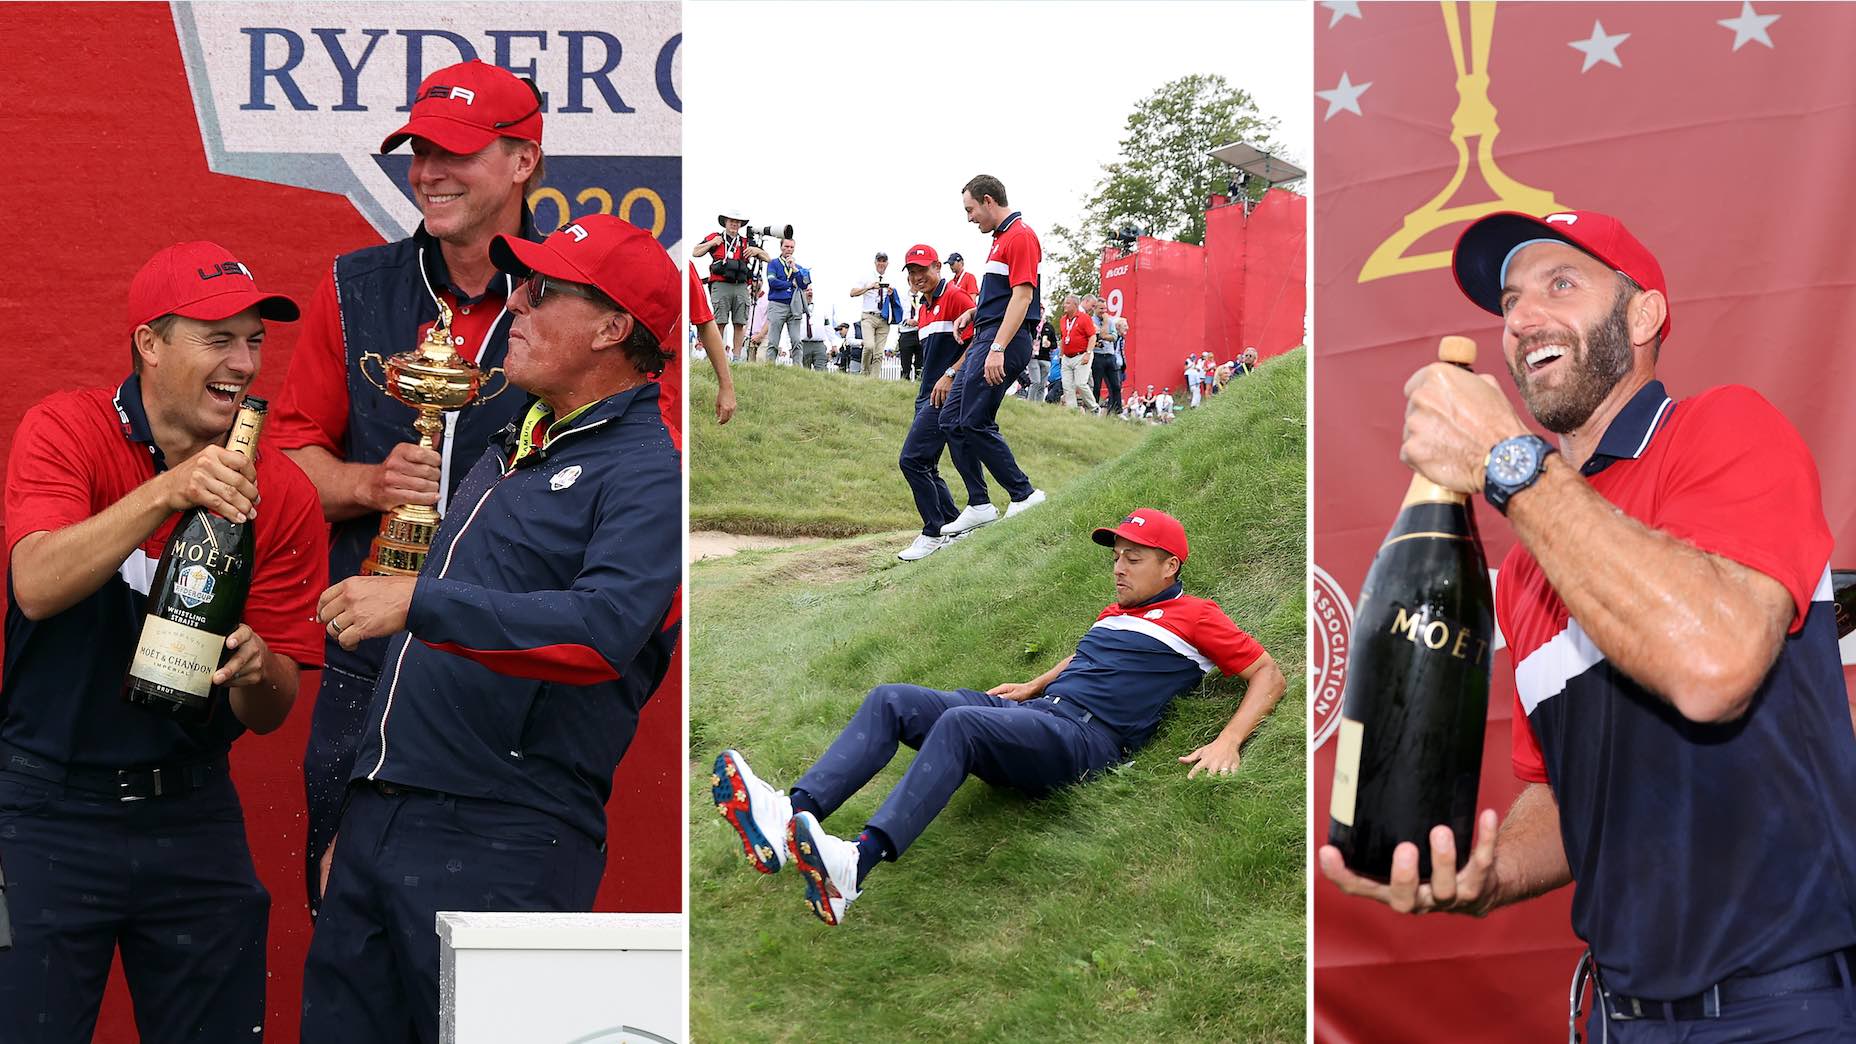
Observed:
{"x":804,"y":441}
{"x":1139,"y":906}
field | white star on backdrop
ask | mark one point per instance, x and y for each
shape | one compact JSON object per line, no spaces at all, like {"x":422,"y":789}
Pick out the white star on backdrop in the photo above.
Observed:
{"x":1600,"y":48}
{"x":1342,"y":9}
{"x":1345,"y":96}
{"x":1749,"y":26}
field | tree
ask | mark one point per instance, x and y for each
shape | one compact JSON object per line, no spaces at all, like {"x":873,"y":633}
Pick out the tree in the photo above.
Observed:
{"x":1165,"y":172}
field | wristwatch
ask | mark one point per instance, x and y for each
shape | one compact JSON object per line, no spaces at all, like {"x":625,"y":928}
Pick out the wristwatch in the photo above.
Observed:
{"x":951,"y":371}
{"x":996,"y":347}
{"x":1512,"y":466}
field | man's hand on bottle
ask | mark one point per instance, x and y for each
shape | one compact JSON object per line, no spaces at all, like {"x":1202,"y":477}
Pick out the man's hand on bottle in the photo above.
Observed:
{"x":363,"y":607}
{"x":1452,"y":419}
{"x":1469,"y":890}
{"x":409,"y":475}
{"x":217,"y":479}
{"x":246,"y":664}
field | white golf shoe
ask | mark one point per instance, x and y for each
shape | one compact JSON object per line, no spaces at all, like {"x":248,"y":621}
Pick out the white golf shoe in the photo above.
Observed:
{"x":922,"y":547}
{"x":971,"y":517}
{"x":829,"y":865}
{"x":759,"y":813}
{"x":1037,"y":497}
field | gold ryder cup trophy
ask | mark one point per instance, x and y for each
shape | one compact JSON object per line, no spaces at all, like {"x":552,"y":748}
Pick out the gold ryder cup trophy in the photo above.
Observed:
{"x":433,"y":379}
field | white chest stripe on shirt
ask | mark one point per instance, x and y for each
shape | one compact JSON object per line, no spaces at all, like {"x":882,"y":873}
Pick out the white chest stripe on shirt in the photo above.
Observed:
{"x":1543,"y":674}
{"x":138,"y":571}
{"x":998,"y":268}
{"x":943,"y":327}
{"x":1159,"y":634}
{"x":394,"y":685}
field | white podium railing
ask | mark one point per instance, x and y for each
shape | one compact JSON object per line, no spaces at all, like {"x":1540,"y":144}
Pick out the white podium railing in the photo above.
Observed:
{"x":548,"y":978}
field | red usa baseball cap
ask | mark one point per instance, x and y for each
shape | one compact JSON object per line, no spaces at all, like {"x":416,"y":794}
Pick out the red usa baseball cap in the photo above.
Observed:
{"x":920,"y":254}
{"x":201,"y":280}
{"x":624,"y":261}
{"x":1148,"y":528}
{"x":1485,"y":248}
{"x":463,"y":108}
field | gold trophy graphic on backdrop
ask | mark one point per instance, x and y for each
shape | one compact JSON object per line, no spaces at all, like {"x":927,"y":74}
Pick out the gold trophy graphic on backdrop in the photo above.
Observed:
{"x":1474,"y":118}
{"x":434,"y":380}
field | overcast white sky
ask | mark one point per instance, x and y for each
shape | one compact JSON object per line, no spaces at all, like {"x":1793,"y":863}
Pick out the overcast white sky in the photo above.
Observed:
{"x":858,"y":123}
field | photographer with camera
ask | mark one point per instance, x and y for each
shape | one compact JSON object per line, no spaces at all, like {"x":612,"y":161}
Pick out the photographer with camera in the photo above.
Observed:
{"x":731,"y":253}
{"x":882,"y":307}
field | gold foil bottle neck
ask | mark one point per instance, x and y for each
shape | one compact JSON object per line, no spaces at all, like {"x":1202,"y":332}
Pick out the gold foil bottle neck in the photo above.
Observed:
{"x":1424,"y":491}
{"x":1457,"y":349}
{"x":244,"y":437}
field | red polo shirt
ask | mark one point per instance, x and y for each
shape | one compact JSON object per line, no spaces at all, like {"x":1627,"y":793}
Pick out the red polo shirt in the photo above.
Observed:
{"x":1077,"y":329}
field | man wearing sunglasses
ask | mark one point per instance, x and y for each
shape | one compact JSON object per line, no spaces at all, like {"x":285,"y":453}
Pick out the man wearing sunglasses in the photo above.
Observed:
{"x":475,"y":132}
{"x":521,"y":656}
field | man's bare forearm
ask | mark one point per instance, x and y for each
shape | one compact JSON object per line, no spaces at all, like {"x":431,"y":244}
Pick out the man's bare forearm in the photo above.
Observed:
{"x":52,"y":571}
{"x":1265,"y":685}
{"x":1530,"y":857}
{"x":338,"y":483}
{"x":1696,"y":629}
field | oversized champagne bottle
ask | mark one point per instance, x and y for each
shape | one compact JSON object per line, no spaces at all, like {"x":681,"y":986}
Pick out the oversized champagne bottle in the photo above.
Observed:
{"x":1417,"y":683}
{"x":196,"y":600}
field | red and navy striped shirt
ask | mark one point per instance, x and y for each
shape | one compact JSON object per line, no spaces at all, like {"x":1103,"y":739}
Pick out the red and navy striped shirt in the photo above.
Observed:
{"x":1013,"y":262}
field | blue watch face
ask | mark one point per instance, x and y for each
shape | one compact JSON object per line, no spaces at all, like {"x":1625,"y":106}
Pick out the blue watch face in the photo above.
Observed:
{"x":1514,"y":462}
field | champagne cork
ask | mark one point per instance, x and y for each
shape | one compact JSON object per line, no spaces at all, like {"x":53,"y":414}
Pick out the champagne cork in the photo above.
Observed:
{"x":1457,"y":349}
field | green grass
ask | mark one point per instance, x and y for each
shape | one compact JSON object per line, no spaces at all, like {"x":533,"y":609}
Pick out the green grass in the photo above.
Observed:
{"x":814,"y":454}
{"x":1139,"y":906}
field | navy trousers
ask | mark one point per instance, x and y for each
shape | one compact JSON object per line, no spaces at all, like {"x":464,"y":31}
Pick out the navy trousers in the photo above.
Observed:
{"x":970,"y":415}
{"x":920,"y":464}
{"x":1033,"y":746}
{"x":372,"y":974}
{"x":168,"y":880}
{"x":1105,"y":373}
{"x":342,"y":701}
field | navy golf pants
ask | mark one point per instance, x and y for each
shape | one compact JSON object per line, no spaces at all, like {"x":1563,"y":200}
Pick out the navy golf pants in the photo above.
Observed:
{"x":168,"y":880}
{"x":372,"y":974}
{"x":921,"y":456}
{"x":970,"y":415}
{"x":1032,"y":746}
{"x":342,"y":702}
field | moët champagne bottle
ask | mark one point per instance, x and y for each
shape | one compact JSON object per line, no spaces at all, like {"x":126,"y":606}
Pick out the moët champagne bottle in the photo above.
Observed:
{"x":1417,"y":684}
{"x":196,"y":601}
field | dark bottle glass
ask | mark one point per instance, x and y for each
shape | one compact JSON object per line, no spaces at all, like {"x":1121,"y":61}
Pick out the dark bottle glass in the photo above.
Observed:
{"x":1843,"y":590}
{"x":196,"y":600}
{"x":1417,"y":686}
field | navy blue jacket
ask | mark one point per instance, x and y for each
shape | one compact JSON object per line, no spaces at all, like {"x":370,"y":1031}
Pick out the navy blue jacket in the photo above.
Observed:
{"x":542,"y":621}
{"x":386,"y":295}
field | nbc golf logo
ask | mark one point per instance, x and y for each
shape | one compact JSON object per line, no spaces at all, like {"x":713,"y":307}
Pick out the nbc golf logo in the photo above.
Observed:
{"x":283,"y":96}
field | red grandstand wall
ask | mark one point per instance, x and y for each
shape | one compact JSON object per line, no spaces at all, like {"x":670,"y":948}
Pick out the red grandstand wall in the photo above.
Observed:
{"x":109,"y":167}
{"x":1724,"y":157}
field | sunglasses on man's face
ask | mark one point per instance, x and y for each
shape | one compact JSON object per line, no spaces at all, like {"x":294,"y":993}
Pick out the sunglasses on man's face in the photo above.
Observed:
{"x":539,"y":285}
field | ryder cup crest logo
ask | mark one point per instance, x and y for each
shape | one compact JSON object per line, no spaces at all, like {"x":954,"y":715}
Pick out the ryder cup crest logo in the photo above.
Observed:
{"x":303,"y":94}
{"x":194,"y":586}
{"x":564,"y":478}
{"x":1330,"y":634}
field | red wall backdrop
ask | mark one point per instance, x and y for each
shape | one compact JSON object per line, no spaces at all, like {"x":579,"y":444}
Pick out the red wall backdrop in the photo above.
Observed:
{"x":1247,"y":286}
{"x":1731,"y":163}
{"x":106,"y":168}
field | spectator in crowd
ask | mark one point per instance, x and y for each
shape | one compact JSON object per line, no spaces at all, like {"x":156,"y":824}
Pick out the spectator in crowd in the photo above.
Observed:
{"x":1248,"y":361}
{"x":731,"y":270}
{"x":908,"y":341}
{"x":1104,"y":367}
{"x":816,"y":341}
{"x":961,"y":277}
{"x":1208,"y":372}
{"x":1043,"y":350}
{"x":1132,"y":406}
{"x":1195,"y":378}
{"x":1053,"y":382}
{"x":789,"y":295}
{"x":850,"y":343}
{"x":1078,"y":339}
{"x":1163,"y":406}
{"x":882,"y":309}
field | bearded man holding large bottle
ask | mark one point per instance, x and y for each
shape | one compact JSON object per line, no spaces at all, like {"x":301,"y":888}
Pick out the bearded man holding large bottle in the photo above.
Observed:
{"x":1681,"y":723}
{"x":119,"y":824}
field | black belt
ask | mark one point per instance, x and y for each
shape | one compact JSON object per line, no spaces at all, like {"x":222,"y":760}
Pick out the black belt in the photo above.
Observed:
{"x":128,"y":784}
{"x":1819,"y":973}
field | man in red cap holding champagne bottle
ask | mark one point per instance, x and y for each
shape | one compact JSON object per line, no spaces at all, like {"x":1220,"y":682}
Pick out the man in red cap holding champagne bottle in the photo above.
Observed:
{"x":120,"y":827}
{"x":1681,"y":723}
{"x":522,"y":654}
